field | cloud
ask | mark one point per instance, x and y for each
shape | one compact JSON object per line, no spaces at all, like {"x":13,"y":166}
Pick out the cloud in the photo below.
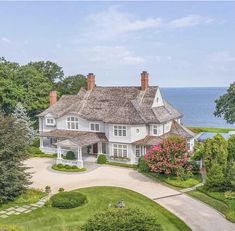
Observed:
{"x":115,"y":55}
{"x":190,"y":21}
{"x":5,"y":40}
{"x":113,"y":22}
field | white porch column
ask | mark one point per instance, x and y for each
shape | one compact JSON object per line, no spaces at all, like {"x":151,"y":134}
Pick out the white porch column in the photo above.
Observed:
{"x":99,"y":148}
{"x":79,"y":153}
{"x":59,"y":153}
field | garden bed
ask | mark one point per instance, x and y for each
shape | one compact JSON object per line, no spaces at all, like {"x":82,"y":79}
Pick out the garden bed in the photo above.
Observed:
{"x":134,"y":166}
{"x":67,"y":168}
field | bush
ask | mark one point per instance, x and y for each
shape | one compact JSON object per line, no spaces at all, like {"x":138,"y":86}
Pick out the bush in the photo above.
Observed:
{"x":47,"y":189}
{"x":34,"y":150}
{"x":122,"y":219}
{"x":70,"y":155}
{"x":101,"y":159}
{"x":142,"y":165}
{"x":61,"y":190}
{"x":60,"y":165}
{"x":67,"y":200}
{"x":36,"y":142}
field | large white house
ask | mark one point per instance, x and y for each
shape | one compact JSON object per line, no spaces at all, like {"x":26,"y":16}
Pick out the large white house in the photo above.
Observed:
{"x":121,"y":122}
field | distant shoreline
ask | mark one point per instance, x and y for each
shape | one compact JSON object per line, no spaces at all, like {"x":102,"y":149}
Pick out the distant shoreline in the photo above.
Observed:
{"x":214,"y":130}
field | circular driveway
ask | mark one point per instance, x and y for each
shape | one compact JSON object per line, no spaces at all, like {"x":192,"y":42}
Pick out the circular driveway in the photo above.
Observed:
{"x":194,"y":213}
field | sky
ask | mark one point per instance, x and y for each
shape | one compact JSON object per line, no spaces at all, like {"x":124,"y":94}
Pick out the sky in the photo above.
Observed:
{"x":180,"y":44}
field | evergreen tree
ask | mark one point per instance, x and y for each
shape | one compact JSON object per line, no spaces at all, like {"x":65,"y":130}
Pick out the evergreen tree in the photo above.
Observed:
{"x":13,"y":144}
{"x":231,"y":148}
{"x":20,"y":114}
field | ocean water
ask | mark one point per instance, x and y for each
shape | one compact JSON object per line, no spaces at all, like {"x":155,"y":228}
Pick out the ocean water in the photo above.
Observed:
{"x":197,"y":105}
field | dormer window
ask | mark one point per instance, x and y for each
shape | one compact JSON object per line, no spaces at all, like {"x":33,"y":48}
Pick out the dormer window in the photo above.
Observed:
{"x":155,"y":130}
{"x":50,"y":121}
{"x":72,"y":123}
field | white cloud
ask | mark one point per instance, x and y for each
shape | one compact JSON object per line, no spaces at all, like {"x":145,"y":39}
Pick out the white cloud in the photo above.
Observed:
{"x":5,"y":40}
{"x":115,"y":55}
{"x":190,"y":21}
{"x":113,"y":22}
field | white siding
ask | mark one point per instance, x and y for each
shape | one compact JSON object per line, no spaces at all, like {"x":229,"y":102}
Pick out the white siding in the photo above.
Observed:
{"x":158,"y":101}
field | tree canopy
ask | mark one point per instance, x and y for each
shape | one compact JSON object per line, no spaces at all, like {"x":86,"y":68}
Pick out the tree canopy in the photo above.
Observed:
{"x":225,"y":105}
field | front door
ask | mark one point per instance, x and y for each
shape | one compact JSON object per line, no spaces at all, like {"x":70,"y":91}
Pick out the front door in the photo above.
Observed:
{"x":95,"y":148}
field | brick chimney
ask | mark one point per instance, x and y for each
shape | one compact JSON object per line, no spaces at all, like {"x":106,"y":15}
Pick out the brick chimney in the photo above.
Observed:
{"x":144,"y":80}
{"x":90,"y":81}
{"x":53,"y":97}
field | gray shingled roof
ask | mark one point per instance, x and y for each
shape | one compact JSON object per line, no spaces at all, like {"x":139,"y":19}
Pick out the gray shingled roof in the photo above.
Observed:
{"x":125,"y":105}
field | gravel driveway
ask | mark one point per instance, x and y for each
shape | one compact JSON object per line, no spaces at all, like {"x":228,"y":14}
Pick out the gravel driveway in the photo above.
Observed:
{"x":194,"y":213}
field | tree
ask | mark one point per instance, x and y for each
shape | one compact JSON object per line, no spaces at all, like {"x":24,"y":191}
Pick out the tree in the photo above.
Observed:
{"x":49,"y":70}
{"x":13,"y":145}
{"x":23,"y":120}
{"x":168,"y":157}
{"x":71,"y":84}
{"x":231,"y":148}
{"x":215,"y":150}
{"x":225,"y":105}
{"x":215,"y":177}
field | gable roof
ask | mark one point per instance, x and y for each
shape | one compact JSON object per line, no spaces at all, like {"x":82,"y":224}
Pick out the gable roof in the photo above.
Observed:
{"x":124,"y":105}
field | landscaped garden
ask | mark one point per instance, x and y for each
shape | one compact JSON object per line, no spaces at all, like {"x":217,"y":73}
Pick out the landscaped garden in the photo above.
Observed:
{"x":67,"y":168}
{"x":99,"y":203}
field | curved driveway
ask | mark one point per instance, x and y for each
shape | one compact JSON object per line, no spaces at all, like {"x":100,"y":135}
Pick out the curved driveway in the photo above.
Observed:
{"x":194,"y":213}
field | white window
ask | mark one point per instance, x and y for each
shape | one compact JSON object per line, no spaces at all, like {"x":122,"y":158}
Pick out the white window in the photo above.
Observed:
{"x":137,"y":151}
{"x":155,"y":130}
{"x":95,"y":127}
{"x":72,"y":123}
{"x":50,"y":121}
{"x":120,"y":150}
{"x":119,"y":130}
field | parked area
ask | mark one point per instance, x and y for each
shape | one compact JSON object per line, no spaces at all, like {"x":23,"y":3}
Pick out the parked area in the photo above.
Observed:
{"x":197,"y":215}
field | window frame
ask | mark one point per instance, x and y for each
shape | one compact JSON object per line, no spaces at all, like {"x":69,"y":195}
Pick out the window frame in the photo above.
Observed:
{"x":120,"y":130}
{"x":121,"y":150}
{"x":94,"y":124}
{"x":138,"y":148}
{"x":49,"y":124}
{"x":154,"y":128}
{"x":75,"y":123}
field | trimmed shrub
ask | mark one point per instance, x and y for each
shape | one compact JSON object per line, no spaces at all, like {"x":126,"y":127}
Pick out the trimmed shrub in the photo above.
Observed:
{"x":70,"y":155}
{"x":61,"y":190}
{"x":34,"y":150}
{"x":101,"y":159}
{"x":67,"y":200}
{"x":60,"y":165}
{"x":47,"y":189}
{"x":36,"y":142}
{"x":122,"y":219}
{"x":9,"y":228}
{"x":142,"y":165}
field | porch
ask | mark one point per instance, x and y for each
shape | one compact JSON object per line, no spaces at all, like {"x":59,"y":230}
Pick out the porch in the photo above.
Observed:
{"x":85,"y":146}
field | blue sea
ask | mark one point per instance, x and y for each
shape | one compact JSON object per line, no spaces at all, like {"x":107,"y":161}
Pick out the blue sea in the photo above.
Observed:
{"x":197,"y":105}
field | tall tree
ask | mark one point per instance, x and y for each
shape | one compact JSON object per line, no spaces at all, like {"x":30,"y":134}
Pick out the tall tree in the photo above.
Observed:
{"x":22,"y":118}
{"x":50,"y":70}
{"x":225,"y":105}
{"x":13,"y":144}
{"x":71,"y":84}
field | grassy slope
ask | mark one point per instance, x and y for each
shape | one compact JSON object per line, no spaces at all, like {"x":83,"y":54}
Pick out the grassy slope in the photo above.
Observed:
{"x":52,"y":219}
{"x":28,"y":197}
{"x":215,"y":130}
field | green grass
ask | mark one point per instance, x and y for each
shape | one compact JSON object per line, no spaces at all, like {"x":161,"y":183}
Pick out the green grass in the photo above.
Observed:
{"x":53,"y":219}
{"x":174,"y":181}
{"x":44,"y":155}
{"x":28,"y":197}
{"x":215,"y":130}
{"x":216,"y":200}
{"x":63,"y":169}
{"x":122,"y":165}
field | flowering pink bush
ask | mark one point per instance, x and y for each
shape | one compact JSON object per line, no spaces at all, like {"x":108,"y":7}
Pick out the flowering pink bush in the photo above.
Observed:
{"x":169,"y":157}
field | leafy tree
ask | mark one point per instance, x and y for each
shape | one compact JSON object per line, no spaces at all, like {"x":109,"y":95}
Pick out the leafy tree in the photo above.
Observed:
{"x":231,"y":148}
{"x":225,"y":105}
{"x":215,"y":149}
{"x":168,"y":157}
{"x":49,"y":70}
{"x":71,"y":84}
{"x":215,"y":177}
{"x":122,"y":220}
{"x":22,"y":119}
{"x":13,"y":145}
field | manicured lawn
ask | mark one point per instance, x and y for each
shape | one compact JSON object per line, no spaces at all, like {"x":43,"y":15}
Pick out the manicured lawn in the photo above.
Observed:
{"x":217,"y":200}
{"x":64,"y":169}
{"x":122,"y":165}
{"x":28,"y":197}
{"x":216,"y":130}
{"x":44,"y":155}
{"x":174,"y":181}
{"x":99,"y":198}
